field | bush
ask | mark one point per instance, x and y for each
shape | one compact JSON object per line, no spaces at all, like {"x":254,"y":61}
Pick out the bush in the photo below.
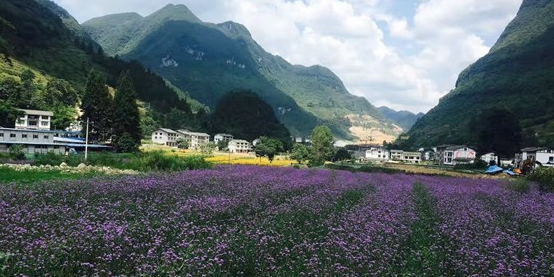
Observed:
{"x":520,"y":185}
{"x":16,"y":152}
{"x":544,"y":176}
{"x":49,"y":159}
{"x":159,"y":161}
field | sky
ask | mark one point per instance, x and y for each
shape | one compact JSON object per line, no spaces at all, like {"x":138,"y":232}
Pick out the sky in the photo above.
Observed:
{"x":404,"y":54}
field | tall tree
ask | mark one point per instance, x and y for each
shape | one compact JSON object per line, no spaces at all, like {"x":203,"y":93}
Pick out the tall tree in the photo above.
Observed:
{"x":497,"y":130}
{"x":97,"y":107}
{"x":322,"y":145}
{"x":127,"y":115}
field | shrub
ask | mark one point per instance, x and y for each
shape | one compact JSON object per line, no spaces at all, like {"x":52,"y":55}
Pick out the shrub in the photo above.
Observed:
{"x":49,"y":159}
{"x":159,"y":161}
{"x":520,"y":185}
{"x":544,"y":176}
{"x":16,"y":152}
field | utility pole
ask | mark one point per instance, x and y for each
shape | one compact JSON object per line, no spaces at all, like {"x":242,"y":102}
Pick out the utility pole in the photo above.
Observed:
{"x":86,"y":143}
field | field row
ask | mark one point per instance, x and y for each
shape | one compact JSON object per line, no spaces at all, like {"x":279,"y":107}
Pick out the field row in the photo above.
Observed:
{"x":261,"y":221}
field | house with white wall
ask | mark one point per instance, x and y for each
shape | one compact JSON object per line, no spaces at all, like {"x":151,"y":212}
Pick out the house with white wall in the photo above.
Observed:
{"x":195,"y":139}
{"x":33,"y":141}
{"x":222,"y":137}
{"x":543,"y":155}
{"x":396,"y":155}
{"x":411,"y":157}
{"x":239,"y":146}
{"x":489,"y":157}
{"x":377,"y":154}
{"x":458,"y":154}
{"x":165,"y":136}
{"x":34,"y":120}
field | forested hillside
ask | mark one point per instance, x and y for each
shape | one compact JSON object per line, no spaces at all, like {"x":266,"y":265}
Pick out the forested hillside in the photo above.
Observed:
{"x":517,"y":75}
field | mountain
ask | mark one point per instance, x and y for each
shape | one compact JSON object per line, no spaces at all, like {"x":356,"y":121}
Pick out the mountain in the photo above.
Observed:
{"x":209,"y":60}
{"x":404,"y":119}
{"x":40,"y":40}
{"x":516,"y":75}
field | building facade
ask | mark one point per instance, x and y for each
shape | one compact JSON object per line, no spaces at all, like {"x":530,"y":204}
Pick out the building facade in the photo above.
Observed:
{"x":459,"y":154}
{"x":411,"y":157}
{"x":34,"y":120}
{"x":239,"y":146}
{"x":223,"y":137}
{"x":194,"y":139}
{"x":377,"y":154}
{"x":543,"y":155}
{"x":32,"y":141}
{"x":165,"y":136}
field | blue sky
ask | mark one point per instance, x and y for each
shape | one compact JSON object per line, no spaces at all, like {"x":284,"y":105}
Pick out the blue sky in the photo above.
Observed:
{"x":400,"y":53}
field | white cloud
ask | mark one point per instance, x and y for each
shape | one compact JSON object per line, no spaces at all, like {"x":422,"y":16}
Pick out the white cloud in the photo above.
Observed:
{"x":398,"y":53}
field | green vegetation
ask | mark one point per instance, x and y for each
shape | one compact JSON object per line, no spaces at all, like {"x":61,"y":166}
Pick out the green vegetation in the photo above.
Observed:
{"x":516,"y":75}
{"x":268,"y":147}
{"x":544,"y":176}
{"x":245,"y":115}
{"x":9,"y":175}
{"x":322,"y":145}
{"x":143,"y":162}
{"x":498,"y":131}
{"x":300,"y":153}
{"x":127,"y":117}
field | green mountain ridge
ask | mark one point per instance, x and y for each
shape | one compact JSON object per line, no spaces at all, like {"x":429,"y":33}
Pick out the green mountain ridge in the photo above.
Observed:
{"x":209,"y":60}
{"x":517,"y":75}
{"x":404,"y":119}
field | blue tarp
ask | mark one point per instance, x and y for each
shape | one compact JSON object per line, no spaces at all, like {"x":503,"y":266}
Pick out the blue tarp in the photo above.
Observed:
{"x":510,"y":172}
{"x":494,"y":169}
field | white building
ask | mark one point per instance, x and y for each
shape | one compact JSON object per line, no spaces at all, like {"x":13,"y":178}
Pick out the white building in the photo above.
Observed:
{"x":396,"y":155}
{"x":239,"y":146}
{"x":223,"y":137}
{"x":458,"y":154}
{"x":411,"y":157}
{"x":489,"y":157}
{"x":195,"y":139}
{"x":33,"y":141}
{"x":377,"y":154}
{"x":543,"y":155}
{"x":34,"y":120}
{"x":165,"y":136}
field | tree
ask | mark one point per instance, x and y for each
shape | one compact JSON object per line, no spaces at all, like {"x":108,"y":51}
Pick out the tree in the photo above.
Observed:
{"x":322,"y":145}
{"x":342,"y":155}
{"x":497,"y":130}
{"x":182,"y":143}
{"x":268,"y":147}
{"x":207,"y":148}
{"x":222,"y":144}
{"x":300,"y":153}
{"x":127,"y":115}
{"x":126,"y":144}
{"x":97,"y":107}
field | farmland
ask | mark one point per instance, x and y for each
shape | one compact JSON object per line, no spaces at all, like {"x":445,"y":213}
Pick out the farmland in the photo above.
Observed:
{"x":266,"y":221}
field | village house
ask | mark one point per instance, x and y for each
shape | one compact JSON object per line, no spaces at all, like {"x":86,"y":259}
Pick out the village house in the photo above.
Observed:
{"x":239,"y":146}
{"x":223,"y":137}
{"x":458,"y":154}
{"x":32,"y":141}
{"x":165,"y":136}
{"x":411,"y":157}
{"x":34,"y":120}
{"x":396,"y":155}
{"x":194,"y":139}
{"x":489,"y":157}
{"x":377,"y":154}
{"x":543,"y":155}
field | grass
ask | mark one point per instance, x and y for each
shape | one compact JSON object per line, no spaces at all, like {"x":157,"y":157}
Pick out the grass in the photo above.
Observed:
{"x":9,"y":175}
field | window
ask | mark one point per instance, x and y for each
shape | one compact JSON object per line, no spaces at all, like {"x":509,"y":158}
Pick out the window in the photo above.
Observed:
{"x":12,"y":135}
{"x":24,"y":136}
{"x":45,"y":117}
{"x":35,"y":136}
{"x":46,"y":136}
{"x":1,"y":135}
{"x":20,"y":121}
{"x":551,"y":159}
{"x":44,"y":123}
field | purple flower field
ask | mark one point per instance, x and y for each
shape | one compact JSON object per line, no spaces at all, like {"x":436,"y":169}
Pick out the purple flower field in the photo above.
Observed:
{"x":261,"y":221}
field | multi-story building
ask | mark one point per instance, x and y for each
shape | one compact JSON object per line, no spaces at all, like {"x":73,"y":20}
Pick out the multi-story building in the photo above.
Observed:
{"x":33,"y":141}
{"x":165,"y":136}
{"x":195,"y":139}
{"x":223,"y":137}
{"x":239,"y":146}
{"x":377,"y":154}
{"x":411,"y":157}
{"x":34,"y":120}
